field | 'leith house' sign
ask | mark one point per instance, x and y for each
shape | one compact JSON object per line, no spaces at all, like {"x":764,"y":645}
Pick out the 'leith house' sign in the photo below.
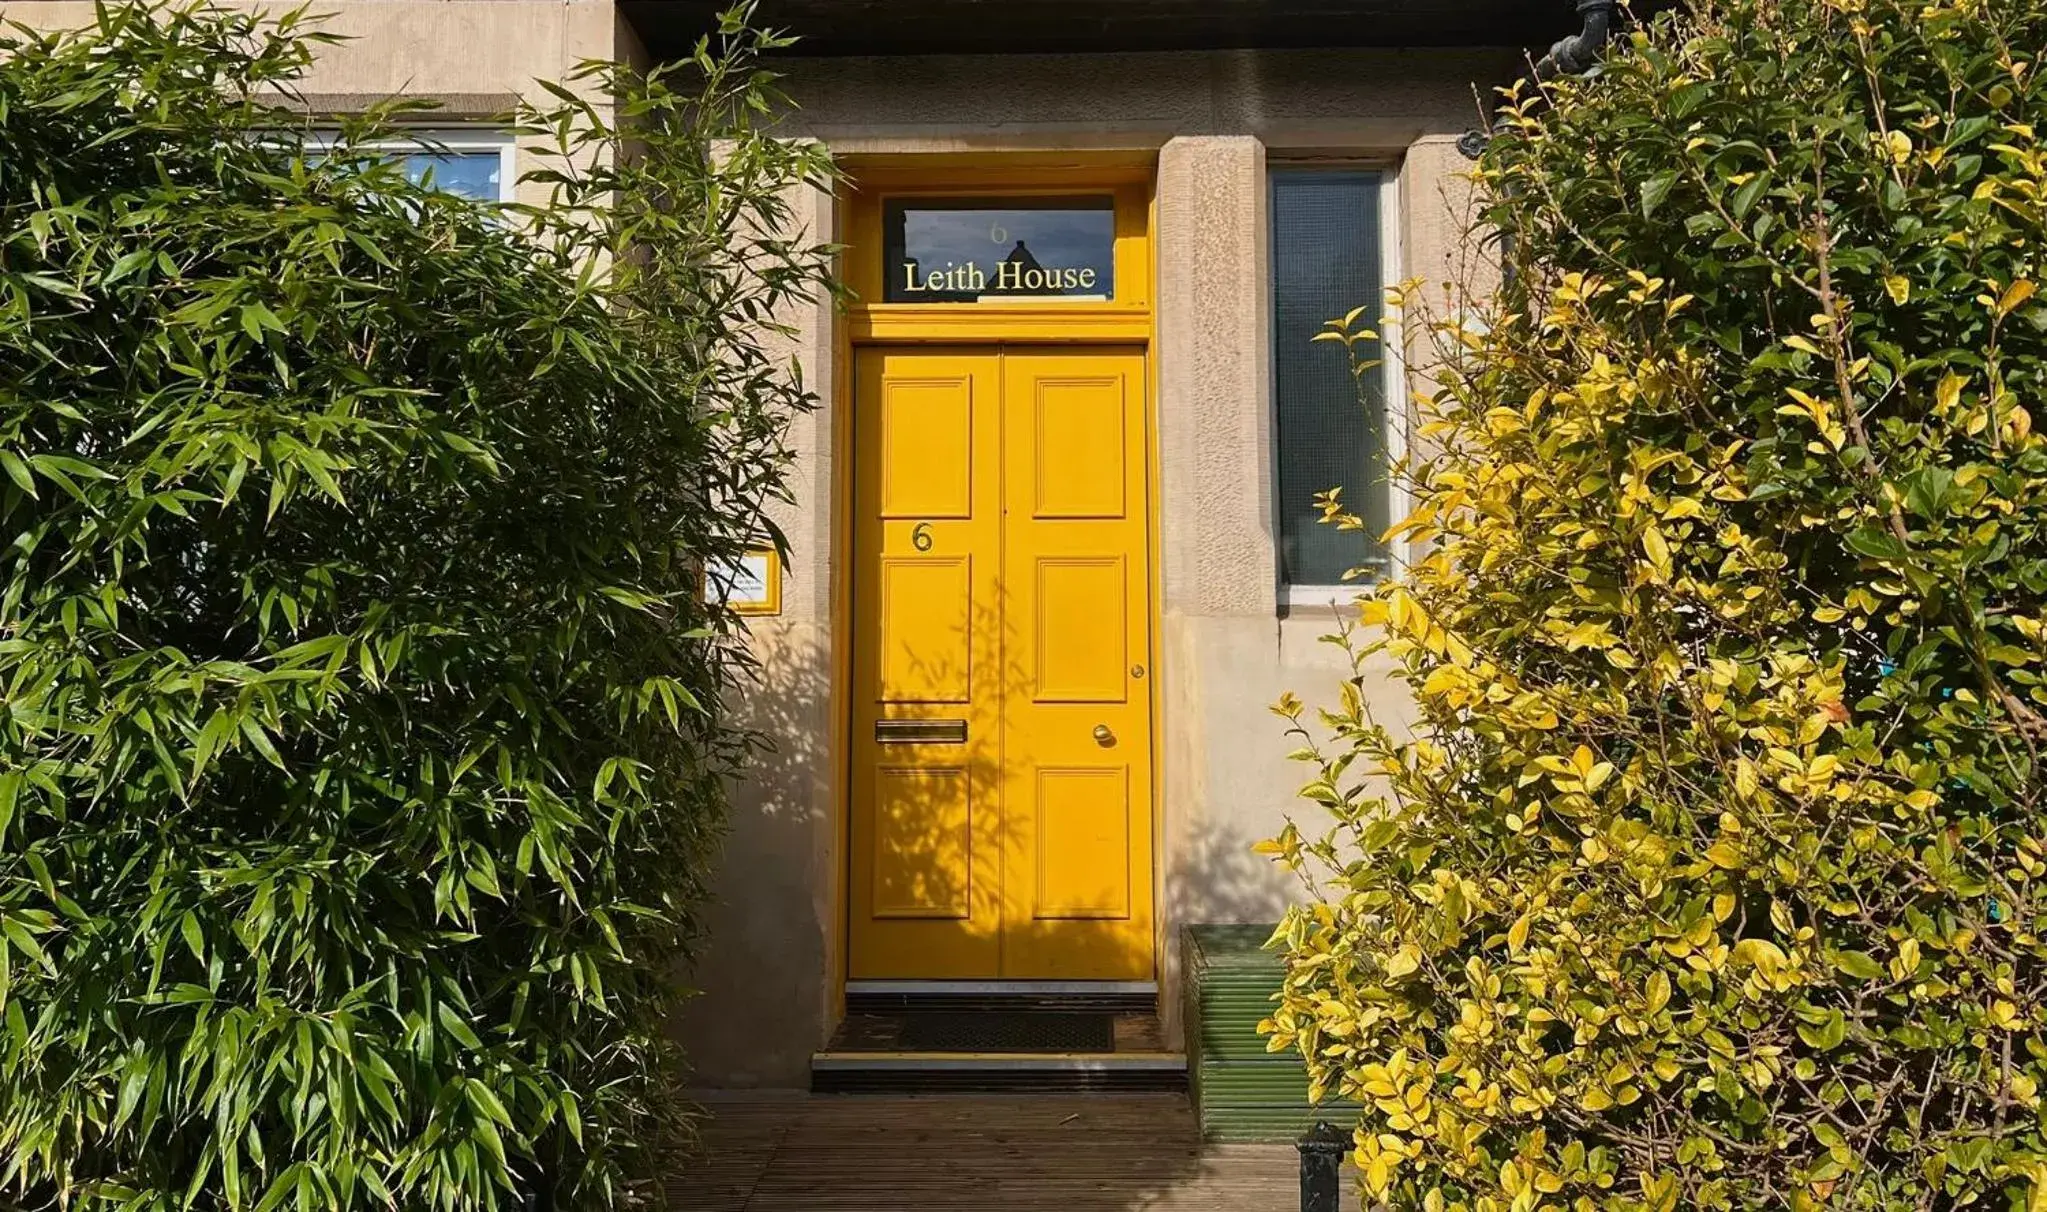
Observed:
{"x":1018,"y":274}
{"x":970,"y":250}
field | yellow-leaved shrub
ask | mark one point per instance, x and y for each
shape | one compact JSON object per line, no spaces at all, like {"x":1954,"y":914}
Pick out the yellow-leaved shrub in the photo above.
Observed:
{"x":1710,"y":874}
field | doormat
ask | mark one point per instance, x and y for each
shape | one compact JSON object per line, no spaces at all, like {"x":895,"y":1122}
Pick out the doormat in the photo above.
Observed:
{"x":999,"y":1031}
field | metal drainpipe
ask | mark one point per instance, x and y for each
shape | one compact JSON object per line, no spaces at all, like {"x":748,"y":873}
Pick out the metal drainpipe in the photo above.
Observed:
{"x":1322,"y":1151}
{"x":1580,"y":51}
{"x":1570,"y":56}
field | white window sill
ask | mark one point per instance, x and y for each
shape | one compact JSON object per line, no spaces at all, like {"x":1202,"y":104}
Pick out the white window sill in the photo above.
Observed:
{"x":1297,"y":597}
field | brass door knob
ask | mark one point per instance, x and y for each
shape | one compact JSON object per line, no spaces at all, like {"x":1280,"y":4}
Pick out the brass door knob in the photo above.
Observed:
{"x":1103,"y":736}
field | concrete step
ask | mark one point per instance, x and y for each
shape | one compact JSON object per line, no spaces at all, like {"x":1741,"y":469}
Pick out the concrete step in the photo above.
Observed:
{"x":878,"y":1072}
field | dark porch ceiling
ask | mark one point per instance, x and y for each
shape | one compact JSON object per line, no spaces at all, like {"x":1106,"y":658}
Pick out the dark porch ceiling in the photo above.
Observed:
{"x":913,"y":27}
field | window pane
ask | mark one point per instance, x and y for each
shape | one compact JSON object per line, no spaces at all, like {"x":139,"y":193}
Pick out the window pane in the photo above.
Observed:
{"x":471,"y":174}
{"x":964,"y":250}
{"x":1325,"y":262}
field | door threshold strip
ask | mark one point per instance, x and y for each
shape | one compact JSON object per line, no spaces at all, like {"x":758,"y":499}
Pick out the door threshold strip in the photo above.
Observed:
{"x":987,"y":1062}
{"x":999,"y":988}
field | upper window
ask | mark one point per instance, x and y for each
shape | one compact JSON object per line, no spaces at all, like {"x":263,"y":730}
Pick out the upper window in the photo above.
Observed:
{"x":474,"y":164}
{"x":970,"y":250}
{"x":1328,"y":258}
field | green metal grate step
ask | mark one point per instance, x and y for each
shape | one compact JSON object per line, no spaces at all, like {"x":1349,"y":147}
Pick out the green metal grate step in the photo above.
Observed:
{"x":1241,"y":1091}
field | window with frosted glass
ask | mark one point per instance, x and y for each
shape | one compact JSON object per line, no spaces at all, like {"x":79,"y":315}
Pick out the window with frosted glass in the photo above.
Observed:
{"x":1330,"y":423}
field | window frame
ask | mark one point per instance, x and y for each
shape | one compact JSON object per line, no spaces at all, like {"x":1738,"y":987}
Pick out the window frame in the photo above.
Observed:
{"x":1393,"y":368}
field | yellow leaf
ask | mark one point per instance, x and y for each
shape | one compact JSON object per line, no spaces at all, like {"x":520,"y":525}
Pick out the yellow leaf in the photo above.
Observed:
{"x":1446,"y":680}
{"x":1949,"y":393}
{"x":1588,"y":635}
{"x":1762,"y":953}
{"x":1724,"y":854}
{"x":1813,"y":407}
{"x":1657,"y":550}
{"x":2015,"y":297}
{"x":1517,"y":934}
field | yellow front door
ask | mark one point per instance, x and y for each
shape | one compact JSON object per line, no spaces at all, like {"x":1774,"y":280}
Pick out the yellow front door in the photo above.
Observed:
{"x":1001,"y":801}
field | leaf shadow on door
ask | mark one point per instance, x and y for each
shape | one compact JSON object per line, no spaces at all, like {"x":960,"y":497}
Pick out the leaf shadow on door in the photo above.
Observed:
{"x":1067,"y":811}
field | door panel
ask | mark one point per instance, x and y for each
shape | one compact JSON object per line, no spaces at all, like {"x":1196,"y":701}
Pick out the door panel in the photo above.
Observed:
{"x":1082,"y":636}
{"x":925,"y":625}
{"x":923,"y":840}
{"x":1083,"y":813}
{"x":926,"y":845}
{"x":1077,"y":873}
{"x":1001,"y":630}
{"x":1081,"y":451}
{"x":927,"y":440}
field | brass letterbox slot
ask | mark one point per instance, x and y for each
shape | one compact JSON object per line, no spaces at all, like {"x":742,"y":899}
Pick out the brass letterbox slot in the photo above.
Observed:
{"x":920,"y":732}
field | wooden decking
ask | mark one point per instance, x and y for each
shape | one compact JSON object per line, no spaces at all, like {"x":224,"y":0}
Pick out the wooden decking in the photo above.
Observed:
{"x":977,"y":1153}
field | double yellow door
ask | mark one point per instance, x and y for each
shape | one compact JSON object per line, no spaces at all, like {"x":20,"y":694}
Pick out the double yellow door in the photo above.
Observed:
{"x":1002,"y":748}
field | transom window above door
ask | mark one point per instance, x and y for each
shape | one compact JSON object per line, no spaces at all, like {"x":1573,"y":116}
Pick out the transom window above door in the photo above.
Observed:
{"x":973,"y":250}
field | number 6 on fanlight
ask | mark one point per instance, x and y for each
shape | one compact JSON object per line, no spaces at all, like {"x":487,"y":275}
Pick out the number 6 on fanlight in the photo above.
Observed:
{"x":920,"y":538}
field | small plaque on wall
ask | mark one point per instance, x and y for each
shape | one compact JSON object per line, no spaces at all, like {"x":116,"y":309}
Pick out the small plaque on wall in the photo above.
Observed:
{"x":751,"y":584}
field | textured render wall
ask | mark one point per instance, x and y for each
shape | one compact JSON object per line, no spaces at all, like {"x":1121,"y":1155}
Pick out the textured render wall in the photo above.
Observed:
{"x":1457,"y":274}
{"x":1437,"y":210}
{"x":1214,"y":333}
